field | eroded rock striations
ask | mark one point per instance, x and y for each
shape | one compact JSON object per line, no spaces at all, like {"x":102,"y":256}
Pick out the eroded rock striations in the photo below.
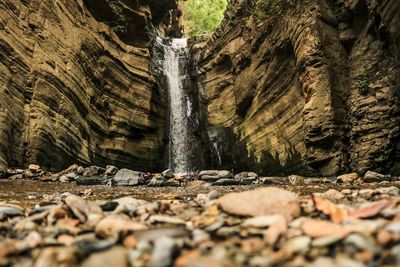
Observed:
{"x":314,"y":90}
{"x":76,"y":82}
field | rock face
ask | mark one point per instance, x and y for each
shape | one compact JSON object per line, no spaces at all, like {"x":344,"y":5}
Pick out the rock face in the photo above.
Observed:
{"x":315,"y":90}
{"x":76,"y":82}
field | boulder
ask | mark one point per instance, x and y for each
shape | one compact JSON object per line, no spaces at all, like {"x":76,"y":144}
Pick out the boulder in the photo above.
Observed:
{"x":261,"y":202}
{"x":374,"y":177}
{"x":167,"y":173}
{"x":125,"y":177}
{"x":110,"y":170}
{"x":296,"y":180}
{"x":213,"y":175}
{"x":244,"y":175}
{"x":347,"y":178}
{"x":92,"y":171}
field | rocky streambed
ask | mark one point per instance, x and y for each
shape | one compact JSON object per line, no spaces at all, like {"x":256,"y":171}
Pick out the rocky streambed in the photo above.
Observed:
{"x":47,"y":220}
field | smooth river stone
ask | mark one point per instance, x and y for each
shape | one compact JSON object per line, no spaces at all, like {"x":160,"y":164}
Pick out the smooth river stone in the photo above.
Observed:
{"x":261,"y":202}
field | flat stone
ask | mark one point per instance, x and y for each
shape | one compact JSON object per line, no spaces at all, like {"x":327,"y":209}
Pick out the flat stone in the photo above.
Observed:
{"x":166,"y":220}
{"x":226,"y":181}
{"x":248,"y":180}
{"x":297,"y":245}
{"x":92,"y":180}
{"x":262,"y":221}
{"x":372,"y":177}
{"x":116,"y":256}
{"x":320,"y":228}
{"x":326,"y":241}
{"x":260,"y":202}
{"x":244,"y":175}
{"x":348,"y":178}
{"x":125,"y":177}
{"x":116,"y":224}
{"x":361,"y":243}
{"x":213,"y":175}
{"x":9,"y":211}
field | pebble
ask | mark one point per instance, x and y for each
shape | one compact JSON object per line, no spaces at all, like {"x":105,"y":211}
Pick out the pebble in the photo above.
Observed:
{"x":163,"y":252}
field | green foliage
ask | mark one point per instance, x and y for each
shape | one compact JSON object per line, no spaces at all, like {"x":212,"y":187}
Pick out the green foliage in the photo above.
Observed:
{"x":203,"y":16}
{"x":271,"y":7}
{"x":363,"y":82}
{"x":119,"y":25}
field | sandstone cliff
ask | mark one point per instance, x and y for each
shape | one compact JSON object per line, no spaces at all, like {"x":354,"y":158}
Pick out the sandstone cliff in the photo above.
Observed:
{"x":76,"y":82}
{"x":314,"y":90}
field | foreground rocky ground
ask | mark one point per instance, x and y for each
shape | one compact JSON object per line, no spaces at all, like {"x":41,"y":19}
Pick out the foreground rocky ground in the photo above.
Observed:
{"x":292,"y":221}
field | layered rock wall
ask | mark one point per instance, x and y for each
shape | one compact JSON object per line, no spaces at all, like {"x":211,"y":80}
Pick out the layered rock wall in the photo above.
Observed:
{"x":76,"y":82}
{"x":314,"y":90}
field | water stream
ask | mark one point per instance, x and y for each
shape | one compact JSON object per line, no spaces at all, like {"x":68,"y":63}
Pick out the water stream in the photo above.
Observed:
{"x":175,"y":58}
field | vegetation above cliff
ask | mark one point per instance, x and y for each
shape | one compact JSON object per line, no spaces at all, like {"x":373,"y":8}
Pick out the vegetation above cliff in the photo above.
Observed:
{"x":202,"y":16}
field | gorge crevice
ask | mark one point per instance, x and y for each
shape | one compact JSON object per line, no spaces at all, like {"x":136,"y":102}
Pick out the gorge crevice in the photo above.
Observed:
{"x":313,"y":91}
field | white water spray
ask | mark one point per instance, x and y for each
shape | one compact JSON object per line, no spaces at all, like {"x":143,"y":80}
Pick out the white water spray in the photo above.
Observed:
{"x":175,"y":55}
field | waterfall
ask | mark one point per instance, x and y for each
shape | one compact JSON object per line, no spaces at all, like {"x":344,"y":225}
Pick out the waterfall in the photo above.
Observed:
{"x":175,"y":57}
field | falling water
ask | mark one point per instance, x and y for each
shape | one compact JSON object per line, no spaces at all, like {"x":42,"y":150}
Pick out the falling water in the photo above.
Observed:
{"x":176,"y":54}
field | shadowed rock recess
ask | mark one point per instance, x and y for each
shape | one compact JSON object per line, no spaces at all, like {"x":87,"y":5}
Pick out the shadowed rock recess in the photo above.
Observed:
{"x":314,"y":90}
{"x":76,"y":82}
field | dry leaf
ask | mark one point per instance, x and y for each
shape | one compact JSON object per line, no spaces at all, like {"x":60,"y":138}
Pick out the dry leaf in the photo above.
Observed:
{"x":336,"y":213}
{"x":368,"y":211}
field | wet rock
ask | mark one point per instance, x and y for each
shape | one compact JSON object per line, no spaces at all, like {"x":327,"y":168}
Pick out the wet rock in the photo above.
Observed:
{"x":125,"y":177}
{"x":374,"y":177}
{"x":244,"y":175}
{"x":296,"y":180}
{"x":248,"y":180}
{"x":92,"y":180}
{"x":226,"y":181}
{"x":9,"y":211}
{"x":213,"y":175}
{"x":110,"y":170}
{"x":116,"y":224}
{"x":93,"y":170}
{"x":168,"y":173}
{"x":116,"y":256}
{"x":347,"y":178}
{"x":164,"y":252}
{"x":266,"y":201}
{"x":274,"y":180}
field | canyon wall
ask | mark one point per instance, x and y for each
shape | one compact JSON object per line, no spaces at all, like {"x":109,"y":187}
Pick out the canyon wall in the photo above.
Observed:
{"x":314,"y":90}
{"x":76,"y":82}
